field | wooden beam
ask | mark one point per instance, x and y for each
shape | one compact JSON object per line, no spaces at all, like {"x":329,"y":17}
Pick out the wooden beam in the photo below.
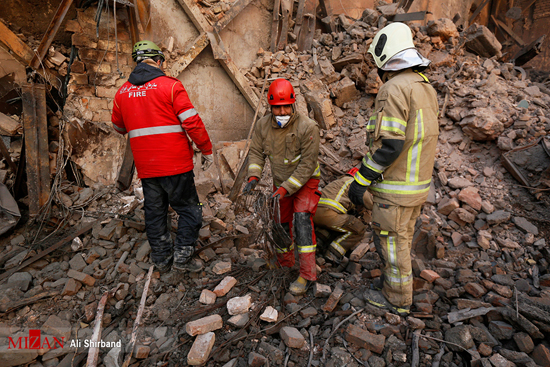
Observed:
{"x":203,"y":26}
{"x":51,"y":32}
{"x":229,"y":15}
{"x":133,"y":25}
{"x":275,"y":24}
{"x":477,"y":11}
{"x":419,"y":15}
{"x":143,"y":8}
{"x":300,"y":16}
{"x":35,"y":127}
{"x":507,"y":29}
{"x":305,"y":38}
{"x":190,"y":54}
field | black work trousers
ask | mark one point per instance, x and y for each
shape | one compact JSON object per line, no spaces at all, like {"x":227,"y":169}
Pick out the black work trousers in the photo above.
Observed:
{"x":179,"y":191}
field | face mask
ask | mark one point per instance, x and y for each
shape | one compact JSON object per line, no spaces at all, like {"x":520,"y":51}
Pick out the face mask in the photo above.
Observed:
{"x":282,"y":120}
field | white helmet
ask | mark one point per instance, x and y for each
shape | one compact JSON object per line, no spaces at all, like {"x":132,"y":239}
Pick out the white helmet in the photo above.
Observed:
{"x":389,"y":41}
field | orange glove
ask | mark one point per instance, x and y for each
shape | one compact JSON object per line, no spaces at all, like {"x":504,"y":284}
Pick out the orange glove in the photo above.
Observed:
{"x":281,"y":192}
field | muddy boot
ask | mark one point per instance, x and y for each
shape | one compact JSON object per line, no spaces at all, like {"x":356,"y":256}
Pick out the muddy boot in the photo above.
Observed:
{"x":299,"y":286}
{"x":183,"y":256}
{"x":376,"y":298}
{"x":164,"y":266}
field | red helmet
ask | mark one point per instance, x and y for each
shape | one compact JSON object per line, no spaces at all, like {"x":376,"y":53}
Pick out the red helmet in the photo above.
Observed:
{"x":353,"y":171}
{"x":281,"y":93}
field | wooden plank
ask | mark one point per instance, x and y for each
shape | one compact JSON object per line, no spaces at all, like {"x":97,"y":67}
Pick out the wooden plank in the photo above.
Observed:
{"x":126,"y":173}
{"x":143,"y":9}
{"x":286,"y":6}
{"x":300,"y":16}
{"x":14,"y":44}
{"x":419,"y":15}
{"x":35,"y":127}
{"x":133,"y":25}
{"x":190,"y":54}
{"x":305,"y":38}
{"x":50,"y":249}
{"x":51,"y":32}
{"x":477,"y":11}
{"x":507,"y":29}
{"x":275,"y":24}
{"x":229,"y":15}
{"x":193,"y":12}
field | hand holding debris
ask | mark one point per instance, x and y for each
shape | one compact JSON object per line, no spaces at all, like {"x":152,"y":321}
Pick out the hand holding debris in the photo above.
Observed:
{"x":207,"y":161}
{"x":356,"y":192}
{"x":280,"y":193}
{"x":252,"y":182}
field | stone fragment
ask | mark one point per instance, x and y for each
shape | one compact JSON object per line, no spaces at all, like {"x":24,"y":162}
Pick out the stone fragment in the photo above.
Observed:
{"x":470,"y":196}
{"x":81,"y":277}
{"x":57,"y":327}
{"x":480,"y":40}
{"x":525,"y":225}
{"x":345,"y":91}
{"x":429,"y":275}
{"x":392,"y":319}
{"x":239,"y":305}
{"x":270,"y":314}
{"x":444,"y":28}
{"x":459,"y":335}
{"x":308,"y":312}
{"x":459,"y":183}
{"x":141,"y":351}
{"x":475,"y":289}
{"x":524,"y":342}
{"x":114,"y":358}
{"x":225,"y":286}
{"x":321,"y":290}
{"x":207,"y":297}
{"x":365,"y":339}
{"x":71,"y":288}
{"x":499,"y":361}
{"x":484,"y":239}
{"x":485,"y":350}
{"x":256,"y":360}
{"x":20,"y":281}
{"x":487,"y":207}
{"x":15,"y":357}
{"x":222,"y":267}
{"x":239,"y":321}
{"x":333,"y":300}
{"x":77,"y":262}
{"x":292,"y":337}
{"x":415,"y":323}
{"x":201,"y":348}
{"x":462,"y":215}
{"x":143,"y":251}
{"x":447,"y":205}
{"x":359,"y":251}
{"x":497,"y":217}
{"x":541,"y":355}
{"x":501,"y":330}
{"x":204,"y":325}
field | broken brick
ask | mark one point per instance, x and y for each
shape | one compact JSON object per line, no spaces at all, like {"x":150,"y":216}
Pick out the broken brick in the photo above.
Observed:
{"x":225,"y":286}
{"x":364,"y":339}
{"x":476,"y":290}
{"x":207,"y":297}
{"x":81,"y":277}
{"x":292,"y":337}
{"x":204,"y":325}
{"x":333,"y":300}
{"x":201,"y":348}
{"x":429,"y":275}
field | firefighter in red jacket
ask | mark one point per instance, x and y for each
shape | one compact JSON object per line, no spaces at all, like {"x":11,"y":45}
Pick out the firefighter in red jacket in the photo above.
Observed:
{"x":156,"y":112}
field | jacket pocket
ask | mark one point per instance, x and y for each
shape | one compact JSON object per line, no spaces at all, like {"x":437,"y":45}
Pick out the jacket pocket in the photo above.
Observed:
{"x":291,"y":151}
{"x":385,"y":217}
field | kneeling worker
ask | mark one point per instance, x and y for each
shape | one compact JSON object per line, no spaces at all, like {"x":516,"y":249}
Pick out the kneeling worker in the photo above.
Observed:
{"x":333,"y":214}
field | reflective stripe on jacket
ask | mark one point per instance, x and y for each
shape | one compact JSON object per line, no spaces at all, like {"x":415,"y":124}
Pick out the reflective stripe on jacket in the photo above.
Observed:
{"x":159,"y":119}
{"x":293,"y":151}
{"x":335,"y":196}
{"x":406,"y":108}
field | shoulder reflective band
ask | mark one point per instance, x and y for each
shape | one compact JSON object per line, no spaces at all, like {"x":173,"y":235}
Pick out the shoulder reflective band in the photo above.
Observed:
{"x":361,"y":180}
{"x":423,"y":76}
{"x":413,"y":155}
{"x":372,"y":123}
{"x":343,"y":189}
{"x":396,"y":187}
{"x":294,"y":160}
{"x":372,"y":164}
{"x":186,"y":114}
{"x":155,"y":130}
{"x":333,"y":204}
{"x":317,"y":172}
{"x":119,"y":129}
{"x":394,"y":125}
{"x":295,"y":182}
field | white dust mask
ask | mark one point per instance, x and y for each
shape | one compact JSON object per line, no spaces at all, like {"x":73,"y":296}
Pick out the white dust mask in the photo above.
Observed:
{"x":282,"y":120}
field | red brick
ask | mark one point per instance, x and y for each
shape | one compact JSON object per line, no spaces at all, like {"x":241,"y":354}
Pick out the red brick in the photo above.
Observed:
{"x":141,"y":351}
{"x":476,"y":290}
{"x":470,"y":196}
{"x":200,"y":351}
{"x":524,"y":342}
{"x":71,"y":287}
{"x":424,"y":307}
{"x":207,"y":297}
{"x":362,"y":338}
{"x":485,"y":350}
{"x":204,"y":325}
{"x":89,"y":311}
{"x":333,"y":300}
{"x":503,"y":290}
{"x":429,"y":275}
{"x":256,"y":360}
{"x":292,"y":337}
{"x":541,"y":356}
{"x":81,"y":277}
{"x":225,"y":286}
{"x":447,"y":205}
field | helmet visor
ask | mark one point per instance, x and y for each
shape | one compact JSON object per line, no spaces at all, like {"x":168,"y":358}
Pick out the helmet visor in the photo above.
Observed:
{"x":406,"y":59}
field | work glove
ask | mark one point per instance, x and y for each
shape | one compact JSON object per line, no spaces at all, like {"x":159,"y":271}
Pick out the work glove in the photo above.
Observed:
{"x":356,"y":192}
{"x":281,"y":192}
{"x":207,"y":161}
{"x":252,"y":182}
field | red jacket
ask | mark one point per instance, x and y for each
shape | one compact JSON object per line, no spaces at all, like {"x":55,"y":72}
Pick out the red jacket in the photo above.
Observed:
{"x":156,"y":112}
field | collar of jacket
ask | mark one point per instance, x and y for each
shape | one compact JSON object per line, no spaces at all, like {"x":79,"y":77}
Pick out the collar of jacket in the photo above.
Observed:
{"x":293,"y":118}
{"x":144,"y":72}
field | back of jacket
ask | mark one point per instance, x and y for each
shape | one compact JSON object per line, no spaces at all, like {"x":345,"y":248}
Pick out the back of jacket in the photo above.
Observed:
{"x":159,"y":117}
{"x":406,"y":108}
{"x":293,"y":151}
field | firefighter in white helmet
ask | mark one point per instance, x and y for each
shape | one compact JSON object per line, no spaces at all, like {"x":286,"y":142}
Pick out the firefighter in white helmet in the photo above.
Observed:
{"x":402,"y":136}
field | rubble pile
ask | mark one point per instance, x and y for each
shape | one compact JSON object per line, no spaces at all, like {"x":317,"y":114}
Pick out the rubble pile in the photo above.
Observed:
{"x":481,"y":259}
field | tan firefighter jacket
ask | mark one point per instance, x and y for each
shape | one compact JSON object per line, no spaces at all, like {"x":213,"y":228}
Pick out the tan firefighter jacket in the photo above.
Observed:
{"x":293,"y":151}
{"x":335,"y":196}
{"x":406,"y":108}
